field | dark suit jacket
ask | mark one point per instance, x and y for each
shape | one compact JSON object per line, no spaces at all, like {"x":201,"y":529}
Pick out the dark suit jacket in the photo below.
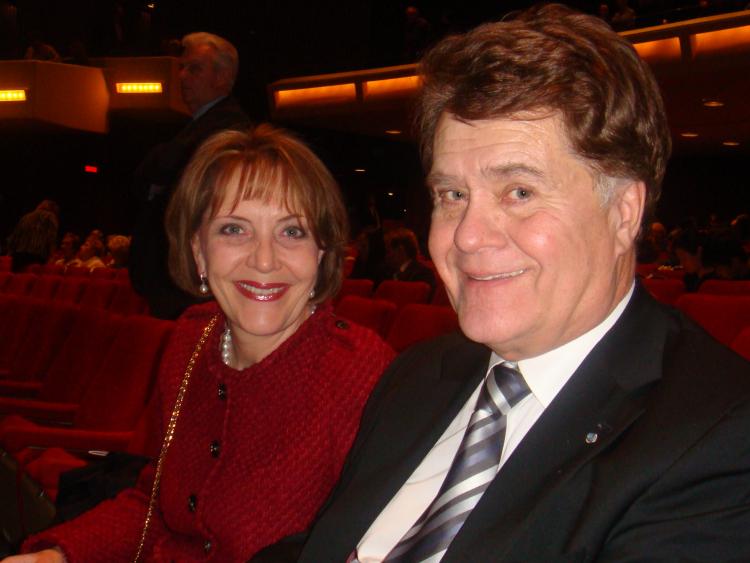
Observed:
{"x":163,"y":167}
{"x":664,"y":475}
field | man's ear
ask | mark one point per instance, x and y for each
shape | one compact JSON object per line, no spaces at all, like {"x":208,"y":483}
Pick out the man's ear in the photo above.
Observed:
{"x":627,"y":213}
{"x":224,"y":79}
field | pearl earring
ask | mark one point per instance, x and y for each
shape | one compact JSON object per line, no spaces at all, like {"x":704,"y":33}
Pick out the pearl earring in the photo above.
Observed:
{"x":203,"y":287}
{"x":312,"y":293}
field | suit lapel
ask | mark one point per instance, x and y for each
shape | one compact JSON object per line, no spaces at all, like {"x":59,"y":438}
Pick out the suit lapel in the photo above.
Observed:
{"x":409,"y":415}
{"x":601,"y":400}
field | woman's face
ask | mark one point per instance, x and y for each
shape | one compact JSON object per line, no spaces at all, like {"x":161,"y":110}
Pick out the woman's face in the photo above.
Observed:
{"x":261,"y":261}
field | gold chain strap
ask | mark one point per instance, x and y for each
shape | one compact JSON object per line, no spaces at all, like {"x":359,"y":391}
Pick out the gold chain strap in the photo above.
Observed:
{"x":170,"y":432}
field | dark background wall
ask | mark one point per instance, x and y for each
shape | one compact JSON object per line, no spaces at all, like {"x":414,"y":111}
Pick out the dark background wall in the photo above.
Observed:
{"x":276,"y":39}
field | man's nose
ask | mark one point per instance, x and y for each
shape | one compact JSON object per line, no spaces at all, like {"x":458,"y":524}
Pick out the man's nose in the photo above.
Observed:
{"x":480,"y":226}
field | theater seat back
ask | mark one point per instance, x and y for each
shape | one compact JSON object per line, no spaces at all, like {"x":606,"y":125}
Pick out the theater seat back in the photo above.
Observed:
{"x":117,"y":394}
{"x":417,"y":322}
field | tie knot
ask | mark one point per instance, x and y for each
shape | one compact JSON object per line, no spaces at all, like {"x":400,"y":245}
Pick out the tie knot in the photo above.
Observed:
{"x":504,"y":388}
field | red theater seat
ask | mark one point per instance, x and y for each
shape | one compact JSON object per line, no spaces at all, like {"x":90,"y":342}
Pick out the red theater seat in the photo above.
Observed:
{"x":116,"y":396}
{"x":45,"y":287}
{"x":358,"y":286}
{"x":103,"y":273}
{"x":126,"y":301}
{"x":417,"y":322}
{"x":19,"y":284}
{"x":52,"y":269}
{"x":402,"y":292}
{"x":70,"y":289}
{"x":79,"y":271}
{"x":372,"y":313}
{"x":440,"y":297}
{"x":122,"y":274}
{"x":45,"y":466}
{"x":97,"y":293}
{"x":726,"y":287}
{"x":665,"y":290}
{"x":46,"y":327}
{"x":741,"y":343}
{"x":723,"y":316}
{"x":78,"y":359}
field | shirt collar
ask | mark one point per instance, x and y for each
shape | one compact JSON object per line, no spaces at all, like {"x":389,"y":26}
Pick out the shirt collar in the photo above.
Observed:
{"x":205,"y":107}
{"x":548,"y":373}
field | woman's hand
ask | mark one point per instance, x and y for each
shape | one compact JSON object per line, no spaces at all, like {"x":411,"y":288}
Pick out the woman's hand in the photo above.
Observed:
{"x":45,"y":556}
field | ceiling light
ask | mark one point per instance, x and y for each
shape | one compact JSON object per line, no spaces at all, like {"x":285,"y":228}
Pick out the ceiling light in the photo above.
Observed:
{"x":689,"y":135}
{"x":713,"y":103}
{"x":390,"y":194}
{"x":731,"y":144}
{"x":360,"y":170}
{"x":393,"y":132}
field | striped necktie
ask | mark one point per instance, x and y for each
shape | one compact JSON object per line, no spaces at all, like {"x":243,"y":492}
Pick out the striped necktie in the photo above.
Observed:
{"x":473,"y":469}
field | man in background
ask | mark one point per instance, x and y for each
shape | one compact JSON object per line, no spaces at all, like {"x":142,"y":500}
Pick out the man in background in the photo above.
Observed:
{"x":208,"y":70}
{"x":402,"y":258}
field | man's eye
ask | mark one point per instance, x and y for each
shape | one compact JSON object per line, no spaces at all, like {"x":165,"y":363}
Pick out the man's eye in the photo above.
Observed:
{"x":451,"y":195}
{"x":520,"y":193}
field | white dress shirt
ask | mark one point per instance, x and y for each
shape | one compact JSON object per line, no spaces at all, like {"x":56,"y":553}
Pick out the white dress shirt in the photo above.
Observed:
{"x":545,"y":375}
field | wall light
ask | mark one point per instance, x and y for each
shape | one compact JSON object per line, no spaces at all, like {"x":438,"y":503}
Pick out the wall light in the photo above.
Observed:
{"x":689,"y":135}
{"x":139,"y":87}
{"x":731,"y":143}
{"x":12,"y":95}
{"x":713,"y":103}
{"x":336,"y":93}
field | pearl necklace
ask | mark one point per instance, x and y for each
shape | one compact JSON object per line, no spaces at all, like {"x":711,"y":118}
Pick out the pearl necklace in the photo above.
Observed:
{"x":226,"y":346}
{"x":225,"y":343}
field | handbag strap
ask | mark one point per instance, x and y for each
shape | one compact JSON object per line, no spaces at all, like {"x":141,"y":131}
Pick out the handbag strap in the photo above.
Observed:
{"x":170,"y":432}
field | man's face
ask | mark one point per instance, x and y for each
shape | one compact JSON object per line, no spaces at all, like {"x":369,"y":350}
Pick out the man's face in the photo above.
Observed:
{"x":200,"y":80}
{"x":530,"y":256}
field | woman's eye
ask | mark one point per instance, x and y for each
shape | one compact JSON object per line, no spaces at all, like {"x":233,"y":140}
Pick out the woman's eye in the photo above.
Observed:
{"x":294,"y":232}
{"x":231,"y":229}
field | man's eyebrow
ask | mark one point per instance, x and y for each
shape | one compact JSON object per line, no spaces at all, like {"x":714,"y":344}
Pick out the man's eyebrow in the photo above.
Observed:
{"x":511,"y":169}
{"x":435,"y":179}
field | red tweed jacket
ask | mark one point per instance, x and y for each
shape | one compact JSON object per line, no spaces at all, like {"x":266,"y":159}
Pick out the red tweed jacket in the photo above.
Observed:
{"x":255,"y":452}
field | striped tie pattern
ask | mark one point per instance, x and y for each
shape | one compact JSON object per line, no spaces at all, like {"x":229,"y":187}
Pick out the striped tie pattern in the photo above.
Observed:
{"x":473,"y":469}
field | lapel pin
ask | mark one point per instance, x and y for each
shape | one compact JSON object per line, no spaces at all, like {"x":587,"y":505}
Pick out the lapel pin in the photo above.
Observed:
{"x":591,"y":437}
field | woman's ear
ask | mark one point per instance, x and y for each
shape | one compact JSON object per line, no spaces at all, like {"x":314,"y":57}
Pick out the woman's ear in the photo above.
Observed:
{"x":198,"y":254}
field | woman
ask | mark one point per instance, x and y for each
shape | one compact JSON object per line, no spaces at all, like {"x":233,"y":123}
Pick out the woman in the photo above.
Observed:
{"x":265,"y":383}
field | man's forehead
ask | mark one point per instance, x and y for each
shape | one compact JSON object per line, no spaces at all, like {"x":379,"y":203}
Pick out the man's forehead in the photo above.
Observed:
{"x":202,"y":53}
{"x":529,"y":137}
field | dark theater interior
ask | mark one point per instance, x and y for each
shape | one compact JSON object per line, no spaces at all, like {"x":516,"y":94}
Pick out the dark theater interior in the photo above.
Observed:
{"x":88,"y":88}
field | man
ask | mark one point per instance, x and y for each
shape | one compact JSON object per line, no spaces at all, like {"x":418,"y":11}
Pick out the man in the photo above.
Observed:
{"x":626,"y":438}
{"x":208,"y":69}
{"x":34,"y":237}
{"x":401,"y":251}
